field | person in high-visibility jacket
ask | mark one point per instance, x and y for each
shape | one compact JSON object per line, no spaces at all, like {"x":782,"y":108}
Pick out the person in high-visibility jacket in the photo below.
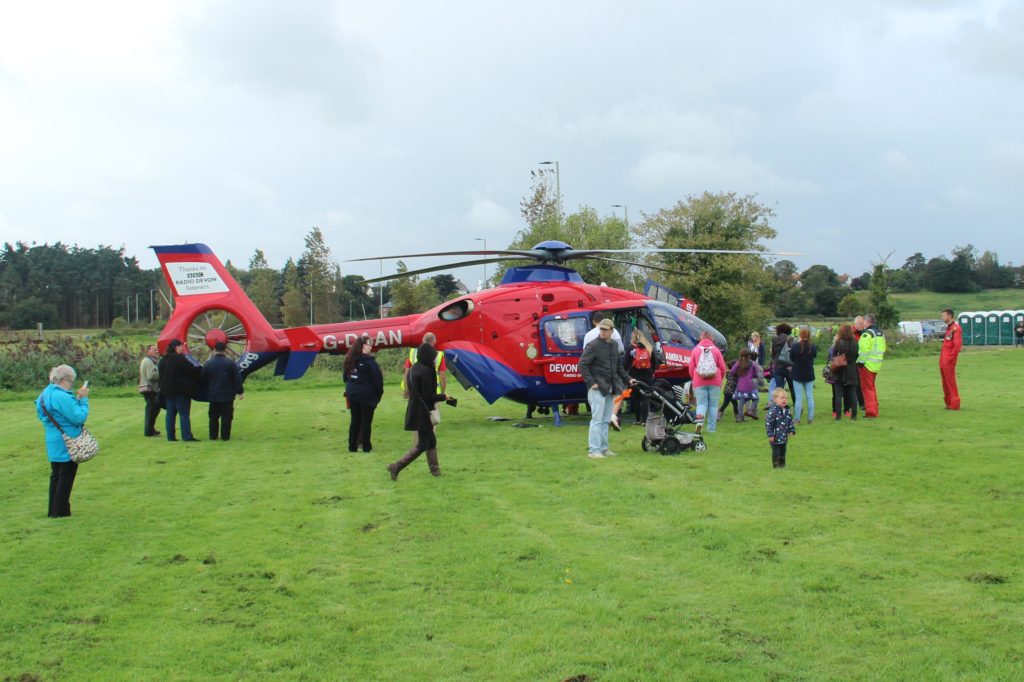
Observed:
{"x":440,"y":368}
{"x":951,"y":344}
{"x":870,"y":352}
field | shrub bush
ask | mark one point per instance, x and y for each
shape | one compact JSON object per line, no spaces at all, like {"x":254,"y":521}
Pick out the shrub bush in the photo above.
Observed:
{"x":26,"y":365}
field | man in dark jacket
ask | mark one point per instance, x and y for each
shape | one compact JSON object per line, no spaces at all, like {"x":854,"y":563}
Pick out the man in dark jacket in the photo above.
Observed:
{"x":223,"y":383}
{"x":605,"y":377}
{"x":178,"y":378}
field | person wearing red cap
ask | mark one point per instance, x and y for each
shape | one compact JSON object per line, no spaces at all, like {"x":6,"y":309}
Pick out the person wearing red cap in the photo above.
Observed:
{"x":951,"y":344}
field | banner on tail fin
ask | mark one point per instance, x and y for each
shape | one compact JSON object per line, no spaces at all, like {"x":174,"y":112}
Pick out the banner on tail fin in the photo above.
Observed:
{"x":195,"y":278}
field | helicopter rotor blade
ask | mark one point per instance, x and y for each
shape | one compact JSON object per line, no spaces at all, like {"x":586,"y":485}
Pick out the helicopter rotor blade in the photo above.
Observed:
{"x":586,"y":253}
{"x":639,"y":265}
{"x":520,"y":254}
{"x":436,"y":268}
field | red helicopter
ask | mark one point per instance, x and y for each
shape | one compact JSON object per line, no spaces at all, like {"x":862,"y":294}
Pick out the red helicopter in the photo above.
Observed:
{"x":519,"y":340}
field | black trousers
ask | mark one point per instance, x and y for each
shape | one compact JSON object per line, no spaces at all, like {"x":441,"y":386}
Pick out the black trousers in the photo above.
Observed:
{"x":360,"y":429}
{"x":224,"y":413}
{"x":779,"y":455}
{"x":152,"y":412}
{"x":62,"y":478}
{"x":725,"y":403}
{"x":844,"y":399}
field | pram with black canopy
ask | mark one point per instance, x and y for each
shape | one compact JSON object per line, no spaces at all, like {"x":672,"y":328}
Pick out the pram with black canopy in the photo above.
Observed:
{"x":668,"y":413}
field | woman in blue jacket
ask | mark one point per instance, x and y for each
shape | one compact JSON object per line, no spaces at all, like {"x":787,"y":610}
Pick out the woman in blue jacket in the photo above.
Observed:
{"x":69,"y":410}
{"x":364,"y":386}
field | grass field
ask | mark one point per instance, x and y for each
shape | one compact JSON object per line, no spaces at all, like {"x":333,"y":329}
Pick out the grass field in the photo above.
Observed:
{"x":926,"y":305}
{"x":888,"y":549}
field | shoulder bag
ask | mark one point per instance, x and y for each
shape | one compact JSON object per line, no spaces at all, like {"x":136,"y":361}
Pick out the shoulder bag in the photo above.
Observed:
{"x":838,"y":362}
{"x":435,"y":413}
{"x":82,"y":447}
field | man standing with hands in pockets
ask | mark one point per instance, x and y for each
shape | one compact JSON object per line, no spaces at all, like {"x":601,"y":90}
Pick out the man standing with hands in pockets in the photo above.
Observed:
{"x":605,"y":377}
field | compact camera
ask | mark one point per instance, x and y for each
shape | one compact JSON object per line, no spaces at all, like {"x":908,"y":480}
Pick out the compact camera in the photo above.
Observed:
{"x":454,"y":402}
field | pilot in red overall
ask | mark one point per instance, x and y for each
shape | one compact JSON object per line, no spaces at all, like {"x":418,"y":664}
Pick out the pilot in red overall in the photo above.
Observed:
{"x":951,"y":344}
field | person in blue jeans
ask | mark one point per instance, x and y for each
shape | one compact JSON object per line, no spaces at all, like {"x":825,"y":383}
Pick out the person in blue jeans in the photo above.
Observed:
{"x":178,"y":379}
{"x":707,"y":370}
{"x":803,"y":353}
{"x":605,"y":378}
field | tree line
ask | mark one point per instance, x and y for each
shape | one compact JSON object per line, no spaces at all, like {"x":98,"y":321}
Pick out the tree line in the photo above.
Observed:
{"x":64,"y":286}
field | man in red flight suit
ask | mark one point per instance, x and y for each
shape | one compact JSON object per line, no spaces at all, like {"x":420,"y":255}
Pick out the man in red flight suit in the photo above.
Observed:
{"x":951,"y":344}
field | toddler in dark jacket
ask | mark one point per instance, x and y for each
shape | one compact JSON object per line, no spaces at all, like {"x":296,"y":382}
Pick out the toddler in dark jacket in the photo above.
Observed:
{"x":778,"y":424}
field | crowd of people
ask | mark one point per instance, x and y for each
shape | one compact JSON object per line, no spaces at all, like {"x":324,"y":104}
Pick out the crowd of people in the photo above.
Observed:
{"x":853,"y":362}
{"x":786,"y":368}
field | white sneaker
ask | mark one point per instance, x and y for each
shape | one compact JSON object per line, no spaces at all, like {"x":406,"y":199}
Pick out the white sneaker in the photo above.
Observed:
{"x":595,"y":455}
{"x":608,"y":453}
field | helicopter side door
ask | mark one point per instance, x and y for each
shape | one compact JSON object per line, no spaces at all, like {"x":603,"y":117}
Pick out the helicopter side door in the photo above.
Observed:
{"x":561,"y":344}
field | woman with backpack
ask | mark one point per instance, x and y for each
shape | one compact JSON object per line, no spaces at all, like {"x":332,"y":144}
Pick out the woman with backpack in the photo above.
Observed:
{"x":782,"y":360}
{"x":640,"y":366}
{"x":707,"y":369}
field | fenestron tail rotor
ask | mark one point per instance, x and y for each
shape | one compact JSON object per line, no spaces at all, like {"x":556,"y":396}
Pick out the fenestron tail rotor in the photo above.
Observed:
{"x":216,"y":325}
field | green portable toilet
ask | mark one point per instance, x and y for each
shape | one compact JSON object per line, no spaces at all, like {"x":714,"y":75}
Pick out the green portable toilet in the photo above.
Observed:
{"x":978,"y":328}
{"x":966,"y":328}
{"x":992,"y":328}
{"x":1005,"y":328}
{"x":1018,"y":318}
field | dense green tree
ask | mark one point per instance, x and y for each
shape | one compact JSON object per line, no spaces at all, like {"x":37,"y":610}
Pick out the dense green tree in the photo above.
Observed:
{"x":904,"y":280}
{"x":411,"y":295}
{"x":262,"y":287}
{"x":989,"y":274}
{"x":851,"y":305}
{"x":446,"y":285}
{"x":86,"y":287}
{"x":294,"y":308}
{"x":316,"y":269}
{"x":861,"y":282}
{"x":944,"y":275}
{"x":820,"y":284}
{"x":885,"y":312}
{"x":733,"y":290}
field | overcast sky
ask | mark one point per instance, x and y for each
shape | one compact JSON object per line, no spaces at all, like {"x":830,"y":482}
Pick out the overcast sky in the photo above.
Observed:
{"x":869,"y":127}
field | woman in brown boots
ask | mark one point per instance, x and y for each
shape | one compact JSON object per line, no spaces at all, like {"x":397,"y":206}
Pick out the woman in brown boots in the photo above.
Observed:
{"x":423,"y":397}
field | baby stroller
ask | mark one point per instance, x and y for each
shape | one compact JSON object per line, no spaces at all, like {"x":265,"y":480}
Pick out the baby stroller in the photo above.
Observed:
{"x":668,"y":411}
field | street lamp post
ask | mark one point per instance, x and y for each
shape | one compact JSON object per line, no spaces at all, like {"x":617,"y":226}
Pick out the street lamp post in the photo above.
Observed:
{"x":558,"y":187}
{"x":484,"y":240}
{"x":625,"y":212}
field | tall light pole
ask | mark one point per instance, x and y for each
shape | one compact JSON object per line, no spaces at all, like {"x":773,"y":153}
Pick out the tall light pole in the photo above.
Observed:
{"x":625,"y":211}
{"x":484,"y":240}
{"x":558,"y":188}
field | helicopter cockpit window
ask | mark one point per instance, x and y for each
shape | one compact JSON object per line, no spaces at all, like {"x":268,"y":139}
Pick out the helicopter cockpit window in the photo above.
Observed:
{"x":681,"y":328}
{"x":566,"y":335}
{"x":456,"y":311}
{"x":669,"y":321}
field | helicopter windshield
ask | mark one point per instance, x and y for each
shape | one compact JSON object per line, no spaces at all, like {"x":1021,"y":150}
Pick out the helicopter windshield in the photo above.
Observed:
{"x":681,"y":328}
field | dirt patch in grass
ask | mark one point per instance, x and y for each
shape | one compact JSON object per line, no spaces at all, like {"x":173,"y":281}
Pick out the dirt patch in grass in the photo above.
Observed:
{"x":987,"y":579}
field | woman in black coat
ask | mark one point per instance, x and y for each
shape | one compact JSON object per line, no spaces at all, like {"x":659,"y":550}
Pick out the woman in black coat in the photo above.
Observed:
{"x":423,"y":396}
{"x":844,"y":390}
{"x":178,"y":383}
{"x":364,"y":386}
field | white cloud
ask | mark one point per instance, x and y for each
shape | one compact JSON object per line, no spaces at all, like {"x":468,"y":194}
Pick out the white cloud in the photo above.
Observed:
{"x":691,"y":173}
{"x":965,"y":197}
{"x":487,"y":215}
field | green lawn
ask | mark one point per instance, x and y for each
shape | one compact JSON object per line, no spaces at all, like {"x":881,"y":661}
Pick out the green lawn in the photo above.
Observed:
{"x":889,"y":549}
{"x":927,"y":305}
